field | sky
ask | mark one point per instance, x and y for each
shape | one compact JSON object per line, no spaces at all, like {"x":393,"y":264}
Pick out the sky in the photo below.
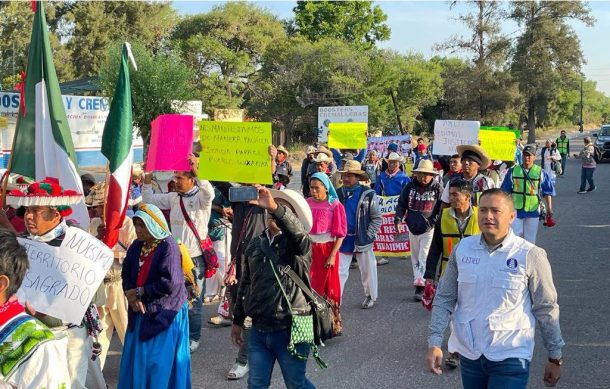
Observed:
{"x":418,"y":25}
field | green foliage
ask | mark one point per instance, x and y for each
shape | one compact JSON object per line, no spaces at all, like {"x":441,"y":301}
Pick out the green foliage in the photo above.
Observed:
{"x":357,"y":22}
{"x":157,"y":87}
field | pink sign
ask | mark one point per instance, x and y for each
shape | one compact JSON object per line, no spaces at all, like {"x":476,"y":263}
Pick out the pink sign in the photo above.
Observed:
{"x":171,"y":141}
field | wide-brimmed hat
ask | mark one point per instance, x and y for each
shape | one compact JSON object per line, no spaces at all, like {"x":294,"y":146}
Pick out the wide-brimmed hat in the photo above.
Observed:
{"x":425,"y":166}
{"x":310,"y":150}
{"x":97,"y":195}
{"x":136,"y":170}
{"x":354,"y":167}
{"x":46,"y":193}
{"x":394,"y":157}
{"x":321,"y":157}
{"x":298,"y":203}
{"x":476,"y":153}
{"x":324,"y":150}
{"x":282,"y":149}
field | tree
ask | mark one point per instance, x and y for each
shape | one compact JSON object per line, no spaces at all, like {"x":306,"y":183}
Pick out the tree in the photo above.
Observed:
{"x":357,"y":22}
{"x":547,"y":50}
{"x":160,"y":84}
{"x":92,"y":26}
{"x":224,"y":48}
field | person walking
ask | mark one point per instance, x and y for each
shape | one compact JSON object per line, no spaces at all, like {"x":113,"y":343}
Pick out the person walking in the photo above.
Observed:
{"x":327,"y":233}
{"x":419,"y":204}
{"x":530,"y":187}
{"x":364,"y":218}
{"x":494,"y":290}
{"x":455,"y":169}
{"x":474,"y":160}
{"x":549,"y":157}
{"x":310,"y":153}
{"x":563,"y":147}
{"x":587,"y":158}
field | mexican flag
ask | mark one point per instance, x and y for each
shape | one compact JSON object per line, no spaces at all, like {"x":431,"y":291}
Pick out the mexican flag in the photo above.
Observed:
{"x":42,"y":146}
{"x":116,"y":146}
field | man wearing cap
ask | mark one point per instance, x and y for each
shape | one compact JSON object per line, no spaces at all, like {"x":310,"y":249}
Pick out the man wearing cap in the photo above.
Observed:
{"x":114,"y":310}
{"x":190,"y":208}
{"x":563,"y":146}
{"x":286,"y":242}
{"x":496,"y":288}
{"x":474,"y":159}
{"x":46,"y":207}
{"x":529,"y":183}
{"x":310,"y":155}
{"x":364,"y":220}
{"x":418,"y":202}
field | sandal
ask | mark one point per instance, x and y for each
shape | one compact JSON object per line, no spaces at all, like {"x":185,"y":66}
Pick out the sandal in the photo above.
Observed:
{"x":238,"y":371}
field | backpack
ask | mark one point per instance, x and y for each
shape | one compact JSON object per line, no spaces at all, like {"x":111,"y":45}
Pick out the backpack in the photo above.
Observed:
{"x":597,"y":154}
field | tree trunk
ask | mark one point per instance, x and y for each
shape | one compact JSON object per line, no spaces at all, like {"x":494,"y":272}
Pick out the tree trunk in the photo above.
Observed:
{"x":531,"y":121}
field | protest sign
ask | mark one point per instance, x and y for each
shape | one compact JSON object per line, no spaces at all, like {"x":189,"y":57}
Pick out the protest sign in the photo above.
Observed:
{"x":381,"y":143}
{"x":448,"y":134}
{"x":327,"y":115}
{"x":347,"y":135}
{"x":235,"y":152}
{"x":164,"y":155}
{"x":497,"y":128}
{"x":62,"y":281}
{"x":388,"y":243}
{"x":499,"y":145}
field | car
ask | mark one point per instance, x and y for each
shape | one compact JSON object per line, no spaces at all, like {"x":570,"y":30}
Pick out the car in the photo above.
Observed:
{"x":602,"y":140}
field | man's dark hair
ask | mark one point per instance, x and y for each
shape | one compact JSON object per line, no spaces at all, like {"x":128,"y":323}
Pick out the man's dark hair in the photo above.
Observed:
{"x":455,"y":156}
{"x":189,"y":174}
{"x":13,"y":260}
{"x":499,"y":192}
{"x":418,"y":139}
{"x":461,"y":185}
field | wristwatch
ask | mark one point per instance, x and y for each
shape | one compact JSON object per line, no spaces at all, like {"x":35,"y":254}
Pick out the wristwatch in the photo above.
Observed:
{"x":558,"y":362}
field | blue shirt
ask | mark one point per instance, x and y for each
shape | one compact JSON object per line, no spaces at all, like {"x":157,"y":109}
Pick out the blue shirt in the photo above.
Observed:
{"x":391,"y":186}
{"x":546,"y":188}
{"x":338,"y":157}
{"x":351,"y":208}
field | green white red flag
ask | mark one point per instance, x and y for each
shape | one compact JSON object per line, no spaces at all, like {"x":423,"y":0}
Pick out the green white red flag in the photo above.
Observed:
{"x":42,"y":146}
{"x":116,"y":146}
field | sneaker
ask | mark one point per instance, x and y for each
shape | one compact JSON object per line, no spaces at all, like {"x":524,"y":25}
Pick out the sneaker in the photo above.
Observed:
{"x":368,"y":303}
{"x":582,"y":191}
{"x":220,"y":321}
{"x":419,"y":292}
{"x":194,"y":346}
{"x":591,"y":189}
{"x":382,"y":261}
{"x":238,"y":371}
{"x":452,"y":361}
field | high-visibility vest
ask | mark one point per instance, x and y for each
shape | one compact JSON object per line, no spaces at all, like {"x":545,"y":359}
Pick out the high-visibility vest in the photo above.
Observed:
{"x":451,"y":234}
{"x":525,"y":191}
{"x":562,"y":145}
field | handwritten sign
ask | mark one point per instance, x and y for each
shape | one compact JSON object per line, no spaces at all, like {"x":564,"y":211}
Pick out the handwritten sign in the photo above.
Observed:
{"x":171,"y":141}
{"x":62,"y":281}
{"x":499,"y":145}
{"x":235,"y":152}
{"x":388,"y":243}
{"x":448,"y":134}
{"x":347,"y":135}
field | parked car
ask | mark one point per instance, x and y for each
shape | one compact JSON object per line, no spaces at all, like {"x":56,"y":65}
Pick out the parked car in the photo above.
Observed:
{"x":603,"y":140}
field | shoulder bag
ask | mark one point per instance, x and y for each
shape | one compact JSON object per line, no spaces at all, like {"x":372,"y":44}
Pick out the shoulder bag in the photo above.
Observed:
{"x":207,"y":250}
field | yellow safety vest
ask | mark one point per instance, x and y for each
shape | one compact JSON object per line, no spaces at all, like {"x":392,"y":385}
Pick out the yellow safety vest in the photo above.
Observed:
{"x":525,"y":191}
{"x":451,"y":233}
{"x":562,"y":145}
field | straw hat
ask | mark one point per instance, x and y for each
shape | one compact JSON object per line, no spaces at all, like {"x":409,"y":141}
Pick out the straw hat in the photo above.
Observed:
{"x":354,"y":167}
{"x":321,"y":157}
{"x":476,"y":153}
{"x":298,"y":203}
{"x":97,"y":195}
{"x":425,"y":166}
{"x":324,"y":150}
{"x":310,"y":150}
{"x":282,"y":149}
{"x":394,"y":157}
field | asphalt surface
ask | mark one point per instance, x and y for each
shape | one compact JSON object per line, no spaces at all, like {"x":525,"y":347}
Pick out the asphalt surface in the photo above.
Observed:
{"x":384,"y":347}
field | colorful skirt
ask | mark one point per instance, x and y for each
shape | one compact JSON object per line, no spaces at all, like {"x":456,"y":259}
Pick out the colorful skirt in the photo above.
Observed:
{"x":161,"y":362}
{"x":326,"y":281}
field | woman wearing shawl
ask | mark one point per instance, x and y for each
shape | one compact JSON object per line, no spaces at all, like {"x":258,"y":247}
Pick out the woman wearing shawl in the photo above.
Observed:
{"x":156,"y":351}
{"x":329,"y":229}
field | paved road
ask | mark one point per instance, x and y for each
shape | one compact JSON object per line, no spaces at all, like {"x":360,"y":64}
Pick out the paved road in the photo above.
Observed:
{"x":384,"y":347}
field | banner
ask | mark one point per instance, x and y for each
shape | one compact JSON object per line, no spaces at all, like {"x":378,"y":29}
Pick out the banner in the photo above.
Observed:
{"x":499,"y":145}
{"x":327,"y":115}
{"x":448,"y":134}
{"x":62,"y":281}
{"x":388,"y":243}
{"x":381,"y":143}
{"x":235,"y":152}
{"x":170,"y":156}
{"x":347,"y":135}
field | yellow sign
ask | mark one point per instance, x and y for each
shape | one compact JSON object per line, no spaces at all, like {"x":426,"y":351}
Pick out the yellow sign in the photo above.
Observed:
{"x":499,"y":145}
{"x":3,"y":122}
{"x":235,"y":152}
{"x":347,"y":135}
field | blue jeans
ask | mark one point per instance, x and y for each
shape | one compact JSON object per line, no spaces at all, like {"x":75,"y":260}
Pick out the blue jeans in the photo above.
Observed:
{"x":196,"y":312}
{"x":564,"y":158}
{"x":511,"y":373}
{"x":267,"y":347}
{"x":586,"y":175}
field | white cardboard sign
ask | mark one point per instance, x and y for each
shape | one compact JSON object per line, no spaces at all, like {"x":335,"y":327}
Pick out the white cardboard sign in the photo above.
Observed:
{"x":62,"y":281}
{"x":448,"y":134}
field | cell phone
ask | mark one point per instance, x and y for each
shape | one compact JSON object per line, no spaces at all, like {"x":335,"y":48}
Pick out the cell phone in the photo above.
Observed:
{"x":242,"y":193}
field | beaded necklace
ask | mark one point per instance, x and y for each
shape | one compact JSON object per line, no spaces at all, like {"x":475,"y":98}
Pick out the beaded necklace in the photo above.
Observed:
{"x":146,"y":251}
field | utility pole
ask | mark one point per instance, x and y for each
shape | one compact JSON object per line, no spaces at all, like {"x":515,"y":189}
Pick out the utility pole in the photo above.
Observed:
{"x":580,"y":122}
{"x":402,"y":131}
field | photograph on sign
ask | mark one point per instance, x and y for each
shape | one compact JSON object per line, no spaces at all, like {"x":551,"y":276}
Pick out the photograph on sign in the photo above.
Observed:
{"x":235,"y":152}
{"x":170,"y":156}
{"x":347,"y":135}
{"x":448,"y":134}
